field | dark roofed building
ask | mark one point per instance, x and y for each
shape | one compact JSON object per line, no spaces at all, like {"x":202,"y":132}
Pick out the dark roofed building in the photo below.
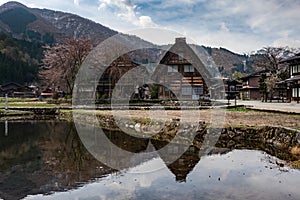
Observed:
{"x":181,"y":74}
{"x":293,"y":82}
{"x":121,"y":77}
{"x":16,"y":90}
{"x":250,"y":86}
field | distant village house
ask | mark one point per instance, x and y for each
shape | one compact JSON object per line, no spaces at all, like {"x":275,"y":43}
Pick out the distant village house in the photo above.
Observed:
{"x":125,"y":78}
{"x":17,"y":90}
{"x":250,"y":87}
{"x":293,"y":82}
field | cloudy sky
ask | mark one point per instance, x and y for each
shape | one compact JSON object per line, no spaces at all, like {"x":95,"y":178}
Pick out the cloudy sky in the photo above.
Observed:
{"x":240,"y":26}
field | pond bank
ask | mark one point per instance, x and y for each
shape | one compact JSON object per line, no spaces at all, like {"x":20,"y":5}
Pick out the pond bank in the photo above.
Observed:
{"x":271,"y":132}
{"x":281,"y":141}
{"x":28,"y":113}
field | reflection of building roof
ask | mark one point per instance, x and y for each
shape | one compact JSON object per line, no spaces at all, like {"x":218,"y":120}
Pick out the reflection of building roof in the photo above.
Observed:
{"x":183,"y":165}
{"x":127,"y":142}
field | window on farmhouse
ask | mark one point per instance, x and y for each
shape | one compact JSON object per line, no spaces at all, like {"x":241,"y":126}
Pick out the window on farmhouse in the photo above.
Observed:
{"x":295,"y":69}
{"x":198,"y":91}
{"x":186,"y":91}
{"x":296,"y":92}
{"x":188,"y":68}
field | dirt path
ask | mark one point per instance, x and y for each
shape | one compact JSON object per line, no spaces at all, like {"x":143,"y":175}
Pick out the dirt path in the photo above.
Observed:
{"x":232,"y":118}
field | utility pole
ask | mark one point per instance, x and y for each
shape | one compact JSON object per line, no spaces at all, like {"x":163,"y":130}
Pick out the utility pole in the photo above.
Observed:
{"x":6,"y":102}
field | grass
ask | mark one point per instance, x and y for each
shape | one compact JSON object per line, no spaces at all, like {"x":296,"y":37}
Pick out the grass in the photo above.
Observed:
{"x":295,"y":164}
{"x":247,"y":110}
{"x":28,"y":104}
{"x":240,"y":109}
{"x":295,"y":151}
{"x":2,"y":99}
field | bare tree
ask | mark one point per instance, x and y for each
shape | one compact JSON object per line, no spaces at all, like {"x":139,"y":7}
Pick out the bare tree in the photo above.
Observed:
{"x":61,"y":62}
{"x":271,"y":83}
{"x":268,"y":59}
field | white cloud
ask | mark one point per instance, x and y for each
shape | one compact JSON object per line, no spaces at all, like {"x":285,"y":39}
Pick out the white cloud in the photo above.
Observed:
{"x":247,"y":25}
{"x":102,"y":6}
{"x":126,"y":10}
{"x":239,"y":26}
{"x":290,"y":42}
{"x":224,"y":28}
{"x":237,"y":42}
{"x":260,"y":16}
{"x":146,"y":21}
{"x":76,"y":2}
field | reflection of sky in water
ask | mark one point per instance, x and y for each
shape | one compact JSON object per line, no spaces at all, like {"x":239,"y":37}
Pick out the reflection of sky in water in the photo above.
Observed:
{"x":240,"y":174}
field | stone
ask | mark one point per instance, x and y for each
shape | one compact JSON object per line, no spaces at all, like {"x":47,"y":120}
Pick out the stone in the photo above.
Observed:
{"x":137,"y":127}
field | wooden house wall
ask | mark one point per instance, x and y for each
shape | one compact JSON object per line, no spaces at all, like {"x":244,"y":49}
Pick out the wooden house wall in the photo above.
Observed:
{"x":180,"y":55}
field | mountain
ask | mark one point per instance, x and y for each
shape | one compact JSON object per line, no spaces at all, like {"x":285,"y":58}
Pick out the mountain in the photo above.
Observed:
{"x":43,"y":26}
{"x":229,"y":62}
{"x":46,"y":25}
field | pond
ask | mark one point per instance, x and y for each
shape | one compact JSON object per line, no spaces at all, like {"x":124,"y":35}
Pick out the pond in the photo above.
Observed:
{"x":46,"y":160}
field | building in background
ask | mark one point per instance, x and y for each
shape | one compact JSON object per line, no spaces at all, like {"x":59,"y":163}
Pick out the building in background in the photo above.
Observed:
{"x":16,"y":90}
{"x":293,"y":82}
{"x":178,"y":74}
{"x":250,"y":87}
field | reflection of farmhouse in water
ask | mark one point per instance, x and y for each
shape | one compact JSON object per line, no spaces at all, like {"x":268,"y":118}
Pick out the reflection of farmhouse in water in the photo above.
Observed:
{"x":183,"y":165}
{"x":55,"y":161}
{"x":46,"y":160}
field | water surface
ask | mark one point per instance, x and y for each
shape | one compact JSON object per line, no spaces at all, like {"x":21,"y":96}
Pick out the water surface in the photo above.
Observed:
{"x":46,"y":160}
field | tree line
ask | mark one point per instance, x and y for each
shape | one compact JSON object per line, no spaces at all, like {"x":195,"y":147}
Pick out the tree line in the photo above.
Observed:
{"x":19,"y":60}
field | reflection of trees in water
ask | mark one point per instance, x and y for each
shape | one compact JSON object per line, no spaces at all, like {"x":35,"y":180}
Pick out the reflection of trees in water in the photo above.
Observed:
{"x":44,"y":156}
{"x":79,"y":152}
{"x":127,"y":142}
{"x":19,"y":147}
{"x":49,"y":156}
{"x":20,"y":159}
{"x":67,"y":158}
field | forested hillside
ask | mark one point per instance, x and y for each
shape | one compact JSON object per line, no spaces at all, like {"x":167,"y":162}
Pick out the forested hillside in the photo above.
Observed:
{"x":19,"y":60}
